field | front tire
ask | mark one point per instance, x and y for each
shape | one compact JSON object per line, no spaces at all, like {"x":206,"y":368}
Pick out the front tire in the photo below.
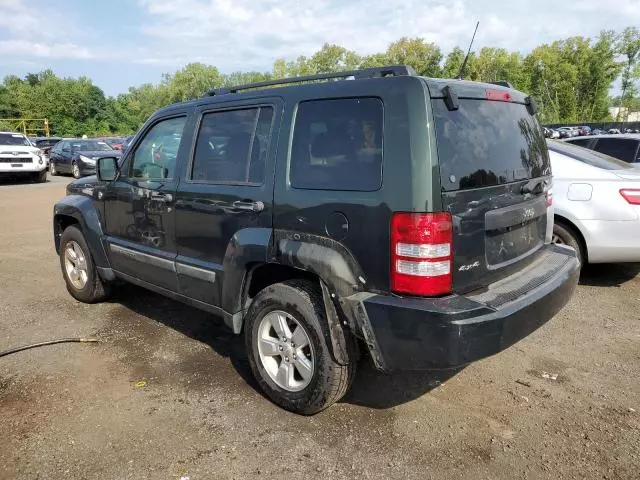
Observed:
{"x":302,"y":377}
{"x":40,"y":177}
{"x":78,"y":270}
{"x":75,"y":170}
{"x":52,"y":169}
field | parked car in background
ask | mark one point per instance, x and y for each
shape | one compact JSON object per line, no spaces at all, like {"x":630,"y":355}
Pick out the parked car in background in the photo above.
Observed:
{"x":550,"y":133}
{"x":569,"y":132}
{"x":596,"y":200}
{"x":614,"y":131}
{"x":440,"y":257}
{"x":78,"y":156}
{"x":117,"y":143}
{"x":45,"y":144}
{"x":585,"y":130}
{"x":622,"y":147}
{"x":20,"y":158}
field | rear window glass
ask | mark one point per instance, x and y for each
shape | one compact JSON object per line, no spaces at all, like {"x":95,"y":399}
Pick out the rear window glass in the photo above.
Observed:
{"x":583,"y":142}
{"x":620,"y":148}
{"x":486,"y":143}
{"x":590,"y":157}
{"x":337,"y":145}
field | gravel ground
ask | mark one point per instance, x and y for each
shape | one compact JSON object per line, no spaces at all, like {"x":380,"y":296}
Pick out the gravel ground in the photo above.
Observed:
{"x":168,"y":392}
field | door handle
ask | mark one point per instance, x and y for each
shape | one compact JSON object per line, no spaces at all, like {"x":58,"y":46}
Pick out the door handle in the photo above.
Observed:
{"x":249,"y":206}
{"x":162,"y":197}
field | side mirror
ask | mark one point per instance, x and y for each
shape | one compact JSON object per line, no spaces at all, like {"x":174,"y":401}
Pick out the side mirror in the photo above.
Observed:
{"x":107,"y":169}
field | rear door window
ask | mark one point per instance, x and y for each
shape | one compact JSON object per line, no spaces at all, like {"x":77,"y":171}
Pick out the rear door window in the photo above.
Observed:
{"x":621,"y":148}
{"x":337,"y":145}
{"x":486,"y":143}
{"x":232,"y":146}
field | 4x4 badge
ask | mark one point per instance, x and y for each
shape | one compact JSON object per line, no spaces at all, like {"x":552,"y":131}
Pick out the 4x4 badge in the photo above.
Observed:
{"x":465,"y":268}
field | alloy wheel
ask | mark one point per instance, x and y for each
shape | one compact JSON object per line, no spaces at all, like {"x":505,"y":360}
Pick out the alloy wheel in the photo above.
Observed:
{"x":285,"y":351}
{"x":75,"y":265}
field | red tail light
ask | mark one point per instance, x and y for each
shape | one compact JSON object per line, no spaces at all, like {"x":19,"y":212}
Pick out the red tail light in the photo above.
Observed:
{"x":421,"y":253}
{"x":549,"y":196}
{"x":631,"y":195}
{"x":498,"y":95}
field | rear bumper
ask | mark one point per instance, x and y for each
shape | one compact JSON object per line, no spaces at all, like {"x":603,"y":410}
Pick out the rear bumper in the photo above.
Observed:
{"x":422,"y":334}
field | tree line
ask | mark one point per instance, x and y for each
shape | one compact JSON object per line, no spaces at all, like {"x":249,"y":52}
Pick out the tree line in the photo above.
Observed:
{"x":570,"y":80}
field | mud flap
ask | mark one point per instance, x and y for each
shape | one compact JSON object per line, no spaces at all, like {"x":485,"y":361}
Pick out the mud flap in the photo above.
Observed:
{"x":343,"y":345}
{"x":354,"y":305}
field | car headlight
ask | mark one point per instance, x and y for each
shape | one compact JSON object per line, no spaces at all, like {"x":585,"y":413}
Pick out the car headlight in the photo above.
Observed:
{"x":88,"y":160}
{"x":37,"y":158}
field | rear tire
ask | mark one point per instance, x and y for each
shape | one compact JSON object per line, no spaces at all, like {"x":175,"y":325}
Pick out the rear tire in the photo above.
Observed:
{"x":83,"y":282}
{"x":300,"y":303}
{"x":563,"y":235}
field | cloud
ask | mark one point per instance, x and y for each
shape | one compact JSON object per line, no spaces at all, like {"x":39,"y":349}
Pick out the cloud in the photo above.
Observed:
{"x":241,"y":34}
{"x":35,"y":31}
{"x":49,"y":50}
{"x":19,"y":19}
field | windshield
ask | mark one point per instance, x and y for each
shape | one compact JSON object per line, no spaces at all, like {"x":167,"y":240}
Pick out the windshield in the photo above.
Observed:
{"x":14,"y":139}
{"x":90,"y":146}
{"x":590,"y":157}
{"x":486,"y":143}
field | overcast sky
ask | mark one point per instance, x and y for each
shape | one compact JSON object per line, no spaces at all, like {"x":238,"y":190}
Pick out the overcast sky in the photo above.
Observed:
{"x":120,"y":43}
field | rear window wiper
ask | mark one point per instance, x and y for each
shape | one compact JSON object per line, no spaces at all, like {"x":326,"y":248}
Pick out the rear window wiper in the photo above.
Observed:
{"x":535,"y":186}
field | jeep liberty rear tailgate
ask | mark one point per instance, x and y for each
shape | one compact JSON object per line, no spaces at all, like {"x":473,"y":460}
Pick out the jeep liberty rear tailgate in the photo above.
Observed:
{"x":494,"y":174}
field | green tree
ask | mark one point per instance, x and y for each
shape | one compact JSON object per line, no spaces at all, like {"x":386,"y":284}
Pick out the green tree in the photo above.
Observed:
{"x":242,"y":78}
{"x":570,"y":79}
{"x":603,"y":70}
{"x":497,"y":64}
{"x":332,"y":58}
{"x":453,"y":63}
{"x":424,"y":57}
{"x":629,"y":47}
{"x":193,"y":81}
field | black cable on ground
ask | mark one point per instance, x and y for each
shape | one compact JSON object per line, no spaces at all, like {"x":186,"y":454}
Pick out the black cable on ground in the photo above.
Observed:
{"x":51,"y":342}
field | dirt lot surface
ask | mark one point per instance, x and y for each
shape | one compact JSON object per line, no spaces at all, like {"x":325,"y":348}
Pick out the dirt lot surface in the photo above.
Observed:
{"x":168,"y":393}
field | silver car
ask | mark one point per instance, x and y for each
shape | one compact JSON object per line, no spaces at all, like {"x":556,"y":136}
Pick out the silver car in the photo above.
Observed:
{"x":596,"y":199}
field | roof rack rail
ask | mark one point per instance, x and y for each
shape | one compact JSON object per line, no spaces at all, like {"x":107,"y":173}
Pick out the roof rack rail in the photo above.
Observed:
{"x":376,"y":72}
{"x":502,"y":83}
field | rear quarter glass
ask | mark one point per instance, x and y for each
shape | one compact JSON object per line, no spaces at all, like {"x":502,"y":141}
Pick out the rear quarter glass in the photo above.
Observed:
{"x":485,"y":143}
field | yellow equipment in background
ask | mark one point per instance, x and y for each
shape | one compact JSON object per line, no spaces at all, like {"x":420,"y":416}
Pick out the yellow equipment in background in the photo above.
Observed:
{"x":29,"y":127}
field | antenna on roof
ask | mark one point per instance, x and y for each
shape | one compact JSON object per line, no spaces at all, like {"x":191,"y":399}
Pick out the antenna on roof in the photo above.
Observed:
{"x":464,"y":63}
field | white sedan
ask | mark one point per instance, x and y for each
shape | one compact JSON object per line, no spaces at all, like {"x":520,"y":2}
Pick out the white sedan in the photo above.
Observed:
{"x":596,"y":200}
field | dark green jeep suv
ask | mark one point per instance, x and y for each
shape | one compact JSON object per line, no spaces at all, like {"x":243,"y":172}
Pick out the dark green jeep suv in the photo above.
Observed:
{"x":369,"y":212}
